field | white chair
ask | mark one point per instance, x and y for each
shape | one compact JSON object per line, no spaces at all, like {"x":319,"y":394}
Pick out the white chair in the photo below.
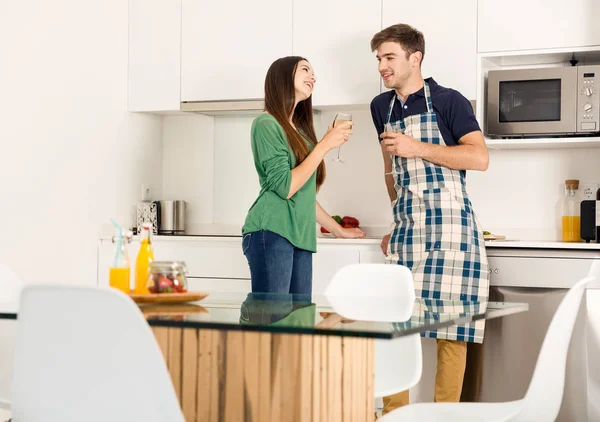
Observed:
{"x":385,"y":293}
{"x":544,"y":396}
{"x":10,"y":289}
{"x":88,"y":354}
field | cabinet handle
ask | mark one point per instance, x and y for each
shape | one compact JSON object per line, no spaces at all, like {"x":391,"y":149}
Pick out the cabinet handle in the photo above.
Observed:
{"x":496,"y":271}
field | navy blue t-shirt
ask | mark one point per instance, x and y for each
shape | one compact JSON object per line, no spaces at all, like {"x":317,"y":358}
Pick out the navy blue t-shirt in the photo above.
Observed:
{"x":454,"y":112}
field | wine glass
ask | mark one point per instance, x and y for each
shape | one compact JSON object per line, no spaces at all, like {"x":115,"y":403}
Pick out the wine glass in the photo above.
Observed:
{"x":341,"y":118}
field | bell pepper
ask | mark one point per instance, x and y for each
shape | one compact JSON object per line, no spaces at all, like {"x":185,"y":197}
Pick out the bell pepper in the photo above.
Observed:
{"x":350,"y":222}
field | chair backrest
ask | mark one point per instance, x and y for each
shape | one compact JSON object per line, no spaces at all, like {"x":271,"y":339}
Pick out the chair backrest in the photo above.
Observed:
{"x":385,"y":292}
{"x":10,"y":290}
{"x":381,"y":292}
{"x":88,"y":354}
{"x":544,"y":396}
{"x":10,"y":285}
{"x":398,"y":364}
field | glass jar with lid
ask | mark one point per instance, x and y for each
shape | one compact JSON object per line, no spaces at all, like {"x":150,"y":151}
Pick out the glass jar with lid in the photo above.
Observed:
{"x":167,"y":277}
{"x":571,"y":217}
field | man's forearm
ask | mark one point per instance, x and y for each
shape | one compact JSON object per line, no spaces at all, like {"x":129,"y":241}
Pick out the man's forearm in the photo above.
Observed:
{"x":389,"y":184}
{"x":460,"y":157}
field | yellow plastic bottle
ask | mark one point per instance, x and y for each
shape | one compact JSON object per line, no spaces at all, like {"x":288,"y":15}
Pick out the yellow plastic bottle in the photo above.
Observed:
{"x":142,"y":263}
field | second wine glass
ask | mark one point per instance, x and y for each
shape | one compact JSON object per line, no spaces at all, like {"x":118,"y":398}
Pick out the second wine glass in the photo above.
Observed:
{"x":341,"y":118}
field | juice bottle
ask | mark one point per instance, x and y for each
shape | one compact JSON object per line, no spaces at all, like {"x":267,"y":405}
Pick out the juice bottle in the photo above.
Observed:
{"x":571,"y":219}
{"x":119,"y":273}
{"x":142,"y":263}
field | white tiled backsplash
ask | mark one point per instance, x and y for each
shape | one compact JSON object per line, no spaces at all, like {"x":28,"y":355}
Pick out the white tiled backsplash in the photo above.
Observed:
{"x":519,"y":196}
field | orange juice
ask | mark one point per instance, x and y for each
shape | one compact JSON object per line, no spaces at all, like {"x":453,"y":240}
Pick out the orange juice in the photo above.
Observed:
{"x":142,"y":265}
{"x":119,"y":279}
{"x":570,"y":228}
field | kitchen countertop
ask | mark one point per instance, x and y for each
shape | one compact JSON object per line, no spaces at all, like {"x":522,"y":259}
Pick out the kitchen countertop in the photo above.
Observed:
{"x":374,"y":235}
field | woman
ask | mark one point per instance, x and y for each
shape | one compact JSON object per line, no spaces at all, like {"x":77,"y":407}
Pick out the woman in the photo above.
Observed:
{"x":279,"y":235}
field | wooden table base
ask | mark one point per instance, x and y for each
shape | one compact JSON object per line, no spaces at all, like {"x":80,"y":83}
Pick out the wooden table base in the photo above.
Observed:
{"x":249,"y":376}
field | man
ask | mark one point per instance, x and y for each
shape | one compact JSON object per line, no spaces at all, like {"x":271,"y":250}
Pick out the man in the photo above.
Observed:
{"x":429,"y":137}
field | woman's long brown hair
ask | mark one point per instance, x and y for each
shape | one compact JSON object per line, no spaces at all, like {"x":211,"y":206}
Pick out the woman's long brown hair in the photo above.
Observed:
{"x":279,"y":102}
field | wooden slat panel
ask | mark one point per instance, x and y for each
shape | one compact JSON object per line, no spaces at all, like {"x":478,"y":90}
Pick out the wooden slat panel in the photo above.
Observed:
{"x":334,"y":381}
{"x":247,"y":376}
{"x":370,"y":360}
{"x":361,"y":381}
{"x":189,"y":381}
{"x":162,"y":338}
{"x":252,"y":376}
{"x":175,"y":358}
{"x":206,"y":403}
{"x":290,"y":369}
{"x":277,"y":363}
{"x":265,"y":358}
{"x":305,"y":378}
{"x":234,"y":380}
{"x":347,"y":403}
{"x":319,"y":391}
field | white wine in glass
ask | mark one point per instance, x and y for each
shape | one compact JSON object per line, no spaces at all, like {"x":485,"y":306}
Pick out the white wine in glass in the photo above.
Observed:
{"x":341,"y":118}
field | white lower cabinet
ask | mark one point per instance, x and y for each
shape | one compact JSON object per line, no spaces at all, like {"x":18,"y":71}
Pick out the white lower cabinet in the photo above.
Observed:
{"x":219,"y":265}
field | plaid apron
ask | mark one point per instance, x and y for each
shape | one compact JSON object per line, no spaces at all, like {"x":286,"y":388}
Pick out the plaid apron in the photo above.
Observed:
{"x":435,"y":232}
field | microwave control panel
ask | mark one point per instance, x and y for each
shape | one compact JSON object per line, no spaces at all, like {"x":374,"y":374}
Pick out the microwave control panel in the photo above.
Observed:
{"x":588,"y":104}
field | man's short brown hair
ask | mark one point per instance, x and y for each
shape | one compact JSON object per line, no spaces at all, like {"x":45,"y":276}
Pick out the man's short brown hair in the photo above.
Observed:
{"x":409,"y":38}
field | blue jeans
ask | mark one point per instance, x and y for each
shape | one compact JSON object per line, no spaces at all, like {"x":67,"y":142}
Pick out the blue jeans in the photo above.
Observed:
{"x":277,"y":266}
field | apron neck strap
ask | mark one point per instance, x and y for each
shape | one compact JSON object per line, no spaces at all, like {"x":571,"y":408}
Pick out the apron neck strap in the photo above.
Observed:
{"x":427,"y":100}
{"x":427,"y":97}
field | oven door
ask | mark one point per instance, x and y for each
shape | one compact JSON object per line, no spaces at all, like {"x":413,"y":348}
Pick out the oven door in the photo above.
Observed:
{"x":532,"y":101}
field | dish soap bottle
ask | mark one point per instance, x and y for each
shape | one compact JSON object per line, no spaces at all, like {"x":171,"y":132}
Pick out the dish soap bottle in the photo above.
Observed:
{"x":144,"y":258}
{"x":571,"y":218}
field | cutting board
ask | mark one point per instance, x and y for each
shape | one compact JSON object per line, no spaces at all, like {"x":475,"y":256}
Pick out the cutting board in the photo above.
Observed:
{"x":493,"y":237}
{"x":169,"y":297}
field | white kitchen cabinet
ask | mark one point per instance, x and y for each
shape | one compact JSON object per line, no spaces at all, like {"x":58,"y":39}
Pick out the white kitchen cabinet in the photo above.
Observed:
{"x":227,"y":48}
{"x":511,"y":25}
{"x":154,"y":55}
{"x":328,"y":260}
{"x":539,"y":268}
{"x":450,"y":30}
{"x":334,"y":36}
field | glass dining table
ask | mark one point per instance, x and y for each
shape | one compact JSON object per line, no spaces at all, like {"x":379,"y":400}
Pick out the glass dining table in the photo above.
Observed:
{"x":273,"y":357}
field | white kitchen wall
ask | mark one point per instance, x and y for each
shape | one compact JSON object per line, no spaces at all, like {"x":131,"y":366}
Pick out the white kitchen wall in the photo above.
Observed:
{"x":188,"y":165}
{"x":354,"y":188}
{"x":518,"y":196}
{"x":71,"y":157}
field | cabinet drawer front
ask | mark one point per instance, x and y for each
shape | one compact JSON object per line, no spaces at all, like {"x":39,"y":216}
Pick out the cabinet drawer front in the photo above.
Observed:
{"x":218,"y":285}
{"x":210,"y":260}
{"x":537,"y":272}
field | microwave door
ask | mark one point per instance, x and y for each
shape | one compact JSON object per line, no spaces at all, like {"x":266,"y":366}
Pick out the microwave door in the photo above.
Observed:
{"x":532,"y":101}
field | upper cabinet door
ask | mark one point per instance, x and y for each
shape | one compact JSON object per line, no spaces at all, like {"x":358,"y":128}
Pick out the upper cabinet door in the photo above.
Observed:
{"x":450,"y":30}
{"x":510,"y":25}
{"x":227,"y":48}
{"x":334,"y":36}
{"x":154,"y":55}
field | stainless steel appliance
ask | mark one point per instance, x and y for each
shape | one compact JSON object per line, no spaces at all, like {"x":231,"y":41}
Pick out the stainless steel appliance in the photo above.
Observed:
{"x":172,"y":217}
{"x":543,"y":101}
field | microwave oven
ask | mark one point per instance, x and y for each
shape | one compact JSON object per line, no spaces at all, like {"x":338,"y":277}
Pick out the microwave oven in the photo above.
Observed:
{"x":543,"y":101}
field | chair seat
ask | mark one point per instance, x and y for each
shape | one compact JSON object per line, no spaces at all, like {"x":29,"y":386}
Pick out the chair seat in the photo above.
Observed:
{"x":451,"y":412}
